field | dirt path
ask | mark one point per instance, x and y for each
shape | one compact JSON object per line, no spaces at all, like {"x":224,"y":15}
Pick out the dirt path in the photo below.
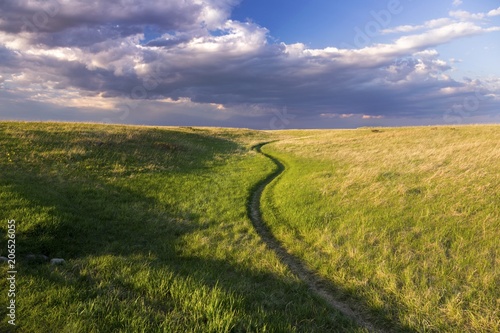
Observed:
{"x":315,"y":283}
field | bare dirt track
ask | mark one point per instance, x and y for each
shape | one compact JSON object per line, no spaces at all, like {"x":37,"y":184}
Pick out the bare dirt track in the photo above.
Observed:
{"x":296,"y":266}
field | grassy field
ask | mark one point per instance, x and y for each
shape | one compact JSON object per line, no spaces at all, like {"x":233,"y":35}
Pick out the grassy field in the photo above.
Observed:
{"x":404,"y":223}
{"x":152,"y":222}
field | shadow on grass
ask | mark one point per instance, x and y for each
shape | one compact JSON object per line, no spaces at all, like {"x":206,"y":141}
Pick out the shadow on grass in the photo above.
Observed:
{"x":83,"y":211}
{"x":86,"y":216}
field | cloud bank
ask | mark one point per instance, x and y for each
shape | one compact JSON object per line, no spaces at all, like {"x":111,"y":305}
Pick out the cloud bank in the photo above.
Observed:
{"x":187,"y":62}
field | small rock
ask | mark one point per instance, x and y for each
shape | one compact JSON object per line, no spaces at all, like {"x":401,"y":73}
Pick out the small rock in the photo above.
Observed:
{"x":3,"y":259}
{"x":57,"y":261}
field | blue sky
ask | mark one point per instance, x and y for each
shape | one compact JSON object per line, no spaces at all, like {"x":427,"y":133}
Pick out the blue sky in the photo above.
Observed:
{"x":324,"y":23}
{"x":251,"y":63}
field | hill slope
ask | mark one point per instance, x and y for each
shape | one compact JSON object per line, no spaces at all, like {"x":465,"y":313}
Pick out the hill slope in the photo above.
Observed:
{"x":400,"y":224}
{"x":152,"y":225}
{"x":403,"y":222}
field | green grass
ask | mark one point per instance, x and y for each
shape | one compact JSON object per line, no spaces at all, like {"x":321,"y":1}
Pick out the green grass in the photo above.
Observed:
{"x":152,"y":224}
{"x":404,"y":223}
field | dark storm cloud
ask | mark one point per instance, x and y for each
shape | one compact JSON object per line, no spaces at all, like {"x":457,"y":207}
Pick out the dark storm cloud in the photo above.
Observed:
{"x":86,"y":37}
{"x":199,"y":57}
{"x":7,"y":57}
{"x":55,"y":16}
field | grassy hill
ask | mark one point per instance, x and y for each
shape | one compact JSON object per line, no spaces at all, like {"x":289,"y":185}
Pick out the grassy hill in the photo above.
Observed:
{"x":403,"y":222}
{"x":153,"y":226}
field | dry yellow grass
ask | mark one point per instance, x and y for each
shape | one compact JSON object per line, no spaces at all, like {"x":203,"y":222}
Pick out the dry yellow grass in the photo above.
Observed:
{"x":405,"y":221}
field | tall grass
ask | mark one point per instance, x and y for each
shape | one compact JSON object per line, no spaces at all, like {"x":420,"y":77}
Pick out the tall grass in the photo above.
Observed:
{"x":152,"y":224}
{"x":405,"y":223}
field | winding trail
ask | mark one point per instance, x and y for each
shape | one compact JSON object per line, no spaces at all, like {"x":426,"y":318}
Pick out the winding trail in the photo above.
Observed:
{"x":296,"y":266}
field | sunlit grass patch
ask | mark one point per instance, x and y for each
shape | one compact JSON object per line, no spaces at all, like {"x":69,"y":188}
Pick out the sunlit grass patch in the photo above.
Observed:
{"x":403,"y":221}
{"x":152,"y":225}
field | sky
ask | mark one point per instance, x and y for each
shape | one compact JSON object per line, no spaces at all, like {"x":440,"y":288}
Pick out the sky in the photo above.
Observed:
{"x":264,"y":64}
